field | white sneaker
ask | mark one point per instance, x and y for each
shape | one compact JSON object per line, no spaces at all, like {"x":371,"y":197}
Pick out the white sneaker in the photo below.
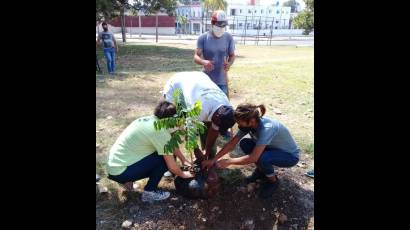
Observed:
{"x":148,"y":196}
{"x":167,"y":174}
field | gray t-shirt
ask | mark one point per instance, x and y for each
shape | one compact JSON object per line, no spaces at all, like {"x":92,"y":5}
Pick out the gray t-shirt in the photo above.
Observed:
{"x":216,"y":49}
{"x":274,"y":135}
{"x":107,"y":39}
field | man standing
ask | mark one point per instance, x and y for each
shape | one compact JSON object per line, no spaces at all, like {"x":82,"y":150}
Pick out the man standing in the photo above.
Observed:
{"x":110,"y":47}
{"x":216,"y":51}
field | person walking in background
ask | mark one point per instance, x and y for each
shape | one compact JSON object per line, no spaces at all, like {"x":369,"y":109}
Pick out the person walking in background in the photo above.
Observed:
{"x":97,"y":65}
{"x":106,"y":38}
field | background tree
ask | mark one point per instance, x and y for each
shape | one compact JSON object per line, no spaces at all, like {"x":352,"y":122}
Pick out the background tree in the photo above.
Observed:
{"x":293,"y":4}
{"x":305,"y":19}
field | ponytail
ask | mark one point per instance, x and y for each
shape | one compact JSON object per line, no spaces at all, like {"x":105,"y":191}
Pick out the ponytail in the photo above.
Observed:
{"x":247,"y":111}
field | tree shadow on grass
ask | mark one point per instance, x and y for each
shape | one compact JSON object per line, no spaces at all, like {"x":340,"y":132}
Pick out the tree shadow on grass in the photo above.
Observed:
{"x":151,"y":59}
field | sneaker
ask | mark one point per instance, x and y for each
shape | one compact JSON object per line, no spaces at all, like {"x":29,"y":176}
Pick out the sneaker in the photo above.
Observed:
{"x":168,"y":174}
{"x":268,"y":188}
{"x":255,"y":176}
{"x":310,"y":174}
{"x":157,"y":195}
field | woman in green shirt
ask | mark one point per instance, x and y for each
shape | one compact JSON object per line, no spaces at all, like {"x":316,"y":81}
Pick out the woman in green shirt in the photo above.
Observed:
{"x":139,"y":153}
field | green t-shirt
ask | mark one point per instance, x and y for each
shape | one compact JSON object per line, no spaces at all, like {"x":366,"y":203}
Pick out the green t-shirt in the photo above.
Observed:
{"x":137,"y":141}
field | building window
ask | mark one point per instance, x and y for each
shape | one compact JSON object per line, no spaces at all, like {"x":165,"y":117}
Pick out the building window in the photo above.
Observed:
{"x":240,"y":25}
{"x":233,"y":12}
{"x":255,"y":11}
{"x":261,"y":11}
{"x":277,"y":12}
{"x":232,"y":26}
{"x":277,"y":3}
{"x":240,"y":11}
{"x":270,"y":11}
{"x":196,"y":27}
{"x":277,"y":22}
{"x":249,"y":12}
{"x":276,"y":27}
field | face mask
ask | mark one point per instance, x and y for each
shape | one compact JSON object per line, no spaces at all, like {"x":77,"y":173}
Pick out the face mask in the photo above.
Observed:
{"x":105,"y":29}
{"x":245,"y":129}
{"x":218,"y":31}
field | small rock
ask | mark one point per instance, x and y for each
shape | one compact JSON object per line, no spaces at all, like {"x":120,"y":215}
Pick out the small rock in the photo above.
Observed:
{"x":275,"y":209}
{"x":277,"y":111}
{"x":215,"y":209}
{"x":182,"y":227}
{"x":251,"y":187}
{"x":126,"y":224}
{"x":109,"y":117}
{"x":180,"y":208}
{"x":195,"y":206}
{"x":203,"y":219}
{"x":263,"y":209}
{"x":282,"y":218}
{"x":102,"y":189}
{"x":295,"y":226}
{"x":301,"y":165}
{"x":171,"y":206}
{"x":248,"y":224}
{"x":262,"y":218}
{"x":220,"y":212}
{"x":249,"y":195}
{"x":174,"y":198}
{"x":303,"y":103}
{"x":291,"y":197}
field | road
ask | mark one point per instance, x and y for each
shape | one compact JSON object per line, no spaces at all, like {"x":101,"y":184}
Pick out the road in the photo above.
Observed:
{"x":191,"y":40}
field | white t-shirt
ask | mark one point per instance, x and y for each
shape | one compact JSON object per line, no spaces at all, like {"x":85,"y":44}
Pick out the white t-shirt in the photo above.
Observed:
{"x":197,"y":86}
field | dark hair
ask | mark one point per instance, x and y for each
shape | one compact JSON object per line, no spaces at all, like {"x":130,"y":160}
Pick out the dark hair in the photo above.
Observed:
{"x":247,"y":111}
{"x":165,"y":109}
{"x":104,"y":24}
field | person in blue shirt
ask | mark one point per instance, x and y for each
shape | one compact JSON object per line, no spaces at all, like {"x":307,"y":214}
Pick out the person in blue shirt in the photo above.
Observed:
{"x":271,"y":144}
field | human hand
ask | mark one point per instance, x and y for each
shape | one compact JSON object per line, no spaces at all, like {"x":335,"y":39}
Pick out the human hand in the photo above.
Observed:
{"x":207,"y":164}
{"x":208,"y":65}
{"x":222,"y":163}
{"x":187,"y":174}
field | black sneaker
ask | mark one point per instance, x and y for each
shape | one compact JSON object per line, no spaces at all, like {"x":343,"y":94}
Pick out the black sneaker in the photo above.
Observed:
{"x":255,"y":176}
{"x":268,"y":188}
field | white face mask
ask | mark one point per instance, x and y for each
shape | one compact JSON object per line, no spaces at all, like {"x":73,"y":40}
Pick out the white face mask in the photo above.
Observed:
{"x":218,"y":31}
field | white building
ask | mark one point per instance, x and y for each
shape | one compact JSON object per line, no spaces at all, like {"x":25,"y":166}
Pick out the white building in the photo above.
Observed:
{"x":193,"y":14}
{"x":251,"y":18}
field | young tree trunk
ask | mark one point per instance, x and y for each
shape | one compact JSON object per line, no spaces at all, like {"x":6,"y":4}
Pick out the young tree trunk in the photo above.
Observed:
{"x":156,"y":27}
{"x":122,"y":18}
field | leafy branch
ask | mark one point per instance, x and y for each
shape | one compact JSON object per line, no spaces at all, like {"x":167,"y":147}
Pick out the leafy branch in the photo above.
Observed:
{"x":186,"y":121}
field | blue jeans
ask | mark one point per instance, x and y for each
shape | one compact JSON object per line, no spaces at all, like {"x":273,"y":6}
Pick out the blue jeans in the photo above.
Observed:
{"x":110,"y":56}
{"x":152,"y":166}
{"x":269,"y":157}
{"x":224,"y":88}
